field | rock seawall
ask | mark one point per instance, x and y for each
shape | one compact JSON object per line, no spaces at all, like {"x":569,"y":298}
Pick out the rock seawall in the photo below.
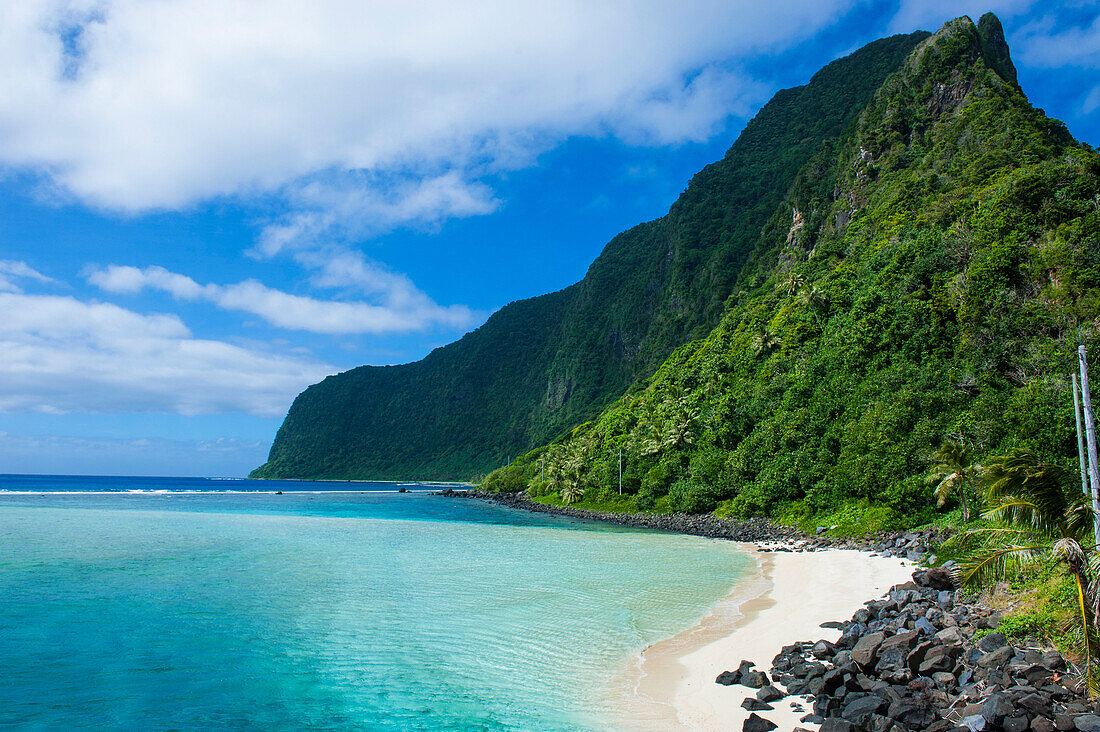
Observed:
{"x":912,"y":545}
{"x":915,"y":660}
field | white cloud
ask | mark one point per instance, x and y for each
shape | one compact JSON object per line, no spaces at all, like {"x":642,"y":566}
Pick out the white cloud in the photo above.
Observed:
{"x":402,"y":306}
{"x":59,"y":355}
{"x":98,"y":455}
{"x":163,"y":104}
{"x":1050,"y":43}
{"x":1092,"y":101}
{"x":351,"y":206}
{"x":12,"y":270}
{"x":931,"y":14}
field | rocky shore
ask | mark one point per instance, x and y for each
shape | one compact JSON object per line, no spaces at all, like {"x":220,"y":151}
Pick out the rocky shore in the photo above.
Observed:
{"x":917,"y":660}
{"x":922,"y":658}
{"x":915,"y":546}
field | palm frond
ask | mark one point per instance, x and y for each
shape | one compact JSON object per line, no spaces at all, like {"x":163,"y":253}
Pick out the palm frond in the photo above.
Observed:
{"x":1022,"y":472}
{"x":999,"y":564}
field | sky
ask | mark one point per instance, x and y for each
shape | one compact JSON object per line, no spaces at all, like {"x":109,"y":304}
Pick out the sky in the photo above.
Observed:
{"x":208,"y":205}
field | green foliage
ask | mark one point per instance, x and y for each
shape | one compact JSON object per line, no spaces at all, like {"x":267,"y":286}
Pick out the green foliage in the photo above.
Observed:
{"x":953,"y":476}
{"x":856,"y":518}
{"x":1039,"y":517}
{"x":690,"y":496}
{"x":1043,"y":625}
{"x":540,"y":366}
{"x":923,"y":281}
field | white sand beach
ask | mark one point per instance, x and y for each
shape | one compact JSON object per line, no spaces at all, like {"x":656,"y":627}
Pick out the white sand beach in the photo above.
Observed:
{"x":671,"y":684}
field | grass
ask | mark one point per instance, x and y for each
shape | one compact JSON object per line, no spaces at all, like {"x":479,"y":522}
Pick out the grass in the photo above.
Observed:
{"x":625,"y":504}
{"x":858,"y":518}
{"x":1037,"y":608}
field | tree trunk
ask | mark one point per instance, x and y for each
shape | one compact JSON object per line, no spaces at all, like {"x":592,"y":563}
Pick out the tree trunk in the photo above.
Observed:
{"x":1080,"y":438}
{"x":1090,"y":438}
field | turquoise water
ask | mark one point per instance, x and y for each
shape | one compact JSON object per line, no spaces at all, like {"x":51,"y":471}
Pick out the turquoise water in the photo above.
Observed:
{"x":363,"y":610}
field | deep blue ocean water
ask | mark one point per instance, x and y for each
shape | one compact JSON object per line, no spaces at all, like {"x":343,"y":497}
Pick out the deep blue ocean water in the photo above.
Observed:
{"x":184,"y":603}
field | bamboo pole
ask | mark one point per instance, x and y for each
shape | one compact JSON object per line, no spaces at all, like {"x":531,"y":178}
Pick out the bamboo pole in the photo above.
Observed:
{"x":1090,"y":438}
{"x":1080,"y":438}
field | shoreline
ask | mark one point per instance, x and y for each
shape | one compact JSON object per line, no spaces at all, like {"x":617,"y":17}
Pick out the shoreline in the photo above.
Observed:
{"x":787,"y":600}
{"x":765,"y":536}
{"x":841,"y":632}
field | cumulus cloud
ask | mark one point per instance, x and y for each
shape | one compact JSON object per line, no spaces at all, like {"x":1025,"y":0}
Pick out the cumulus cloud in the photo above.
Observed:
{"x":402,"y":308}
{"x":345,"y":207}
{"x":135,"y":105}
{"x":12,"y":270}
{"x":60,"y":354}
{"x":1051,"y":43}
{"x":931,"y":14}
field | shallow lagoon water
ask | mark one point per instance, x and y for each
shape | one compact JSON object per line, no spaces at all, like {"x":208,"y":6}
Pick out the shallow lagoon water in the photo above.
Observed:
{"x":329,"y":610}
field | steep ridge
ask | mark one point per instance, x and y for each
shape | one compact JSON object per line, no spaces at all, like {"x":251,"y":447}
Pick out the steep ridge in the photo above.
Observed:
{"x":540,"y":366}
{"x":925,"y":278}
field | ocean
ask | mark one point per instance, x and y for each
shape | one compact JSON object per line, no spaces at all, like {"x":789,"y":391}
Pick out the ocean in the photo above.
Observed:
{"x":188,"y":603}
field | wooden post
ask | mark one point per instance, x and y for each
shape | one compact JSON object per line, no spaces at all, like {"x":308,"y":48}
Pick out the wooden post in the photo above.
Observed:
{"x":1090,"y":438}
{"x":1080,"y":438}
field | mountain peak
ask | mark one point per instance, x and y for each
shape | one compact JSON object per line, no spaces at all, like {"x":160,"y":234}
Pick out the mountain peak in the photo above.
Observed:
{"x":961,"y":42}
{"x":995,"y":48}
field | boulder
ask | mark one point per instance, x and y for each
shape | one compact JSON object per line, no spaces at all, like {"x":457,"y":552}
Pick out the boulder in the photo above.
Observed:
{"x":754,"y":679}
{"x":949,"y":636}
{"x":923,"y":626}
{"x":769,"y":694}
{"x":974,"y":723}
{"x":996,"y":707}
{"x":893,"y":657}
{"x":755,"y":705}
{"x":1087,"y":723}
{"x":756,"y":723}
{"x":1036,"y":705}
{"x":859,"y":711}
{"x":1053,"y":660}
{"x":992,"y":642}
{"x":836,"y":724}
{"x":912,"y":712}
{"x":728,"y":678}
{"x":936,"y":578}
{"x":996,"y":659}
{"x":939,"y":659}
{"x":865,"y":651}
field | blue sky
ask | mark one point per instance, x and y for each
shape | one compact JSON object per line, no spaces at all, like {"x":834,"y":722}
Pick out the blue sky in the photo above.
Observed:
{"x":206,"y":207}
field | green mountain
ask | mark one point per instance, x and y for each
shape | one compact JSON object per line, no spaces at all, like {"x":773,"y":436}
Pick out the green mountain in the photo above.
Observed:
{"x":927,"y":276}
{"x":540,"y":366}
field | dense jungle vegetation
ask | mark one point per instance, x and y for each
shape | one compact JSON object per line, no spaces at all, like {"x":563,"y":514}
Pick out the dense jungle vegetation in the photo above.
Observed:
{"x":543,"y":365}
{"x":927,"y":278}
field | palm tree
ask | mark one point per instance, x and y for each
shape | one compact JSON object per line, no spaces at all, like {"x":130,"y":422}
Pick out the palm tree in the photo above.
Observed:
{"x":814,"y":298}
{"x":764,"y":342}
{"x":794,"y":284}
{"x":678,"y":431}
{"x":651,"y":441}
{"x":571,"y":492}
{"x":1037,"y":514}
{"x":953,"y":475}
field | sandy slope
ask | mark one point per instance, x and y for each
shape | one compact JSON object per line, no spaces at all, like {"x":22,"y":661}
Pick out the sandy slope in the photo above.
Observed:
{"x":672,"y":682}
